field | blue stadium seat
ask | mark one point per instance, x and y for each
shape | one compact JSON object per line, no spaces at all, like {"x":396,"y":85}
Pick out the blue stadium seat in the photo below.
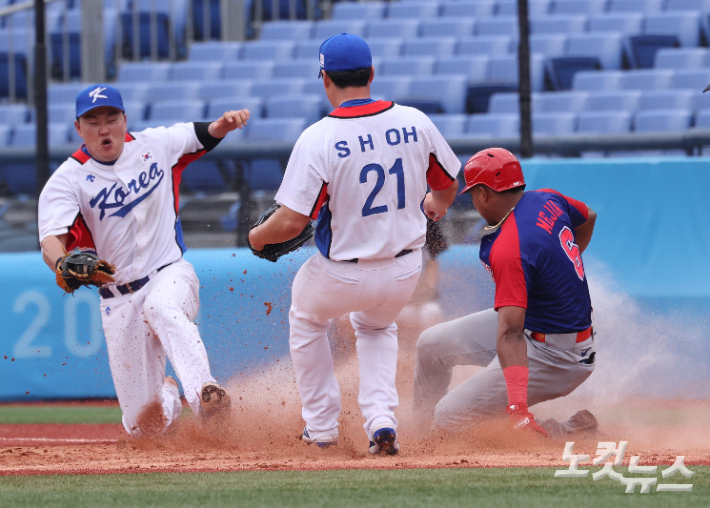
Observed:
{"x":448,"y":91}
{"x":647,"y":79}
{"x":684,"y":25}
{"x":429,"y":46}
{"x":217,"y":107}
{"x":558,"y":25}
{"x":624,"y":23}
{"x":248,"y":70}
{"x":133,"y":91}
{"x":385,"y":48}
{"x":448,"y":27}
{"x":497,"y":26}
{"x":26,"y":134}
{"x":474,"y":67}
{"x":507,"y":103}
{"x":135,"y":110}
{"x":306,"y":69}
{"x":307,"y":49}
{"x":64,"y":92}
{"x":266,"y":88}
{"x":286,"y":30}
{"x":145,"y":29}
{"x":548,"y":44}
{"x":185,"y":71}
{"x":359,"y":10}
{"x":13,"y":114}
{"x":702,"y":120}
{"x":223,"y":89}
{"x":604,"y":122}
{"x":702,"y":6}
{"x":693,"y":79}
{"x":61,"y":113}
{"x":662,"y":120}
{"x":666,"y":99}
{"x":390,"y":88}
{"x":267,"y":50}
{"x":450,"y":126}
{"x":626,"y":101}
{"x":535,"y":8}
{"x":205,"y":176}
{"x":414,"y":10}
{"x":493,"y":126}
{"x":149,"y":124}
{"x":504,"y":69}
{"x":300,"y":106}
{"x":592,"y":81}
{"x":214,"y":29}
{"x":143,"y":72}
{"x":644,"y":6}
{"x":214,"y":51}
{"x":4,"y":136}
{"x":278,"y":129}
{"x":584,"y":7}
{"x":392,"y":28}
{"x":554,"y":124}
{"x":315,"y":87}
{"x":467,"y":9}
{"x":560,"y":102}
{"x":173,"y":91}
{"x":329,"y":28}
{"x":478,"y":95}
{"x":408,"y":66}
{"x":491,"y":46}
{"x":604,"y":46}
{"x":640,"y":50}
{"x":701,"y":101}
{"x":682,"y":58}
{"x":178,"y":111}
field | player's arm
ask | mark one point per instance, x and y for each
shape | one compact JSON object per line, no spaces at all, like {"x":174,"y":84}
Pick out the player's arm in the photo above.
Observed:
{"x":54,"y":248}
{"x":437,"y":202}
{"x":510,"y":341}
{"x":228,"y":122}
{"x":282,"y":226}
{"x":583,"y":232}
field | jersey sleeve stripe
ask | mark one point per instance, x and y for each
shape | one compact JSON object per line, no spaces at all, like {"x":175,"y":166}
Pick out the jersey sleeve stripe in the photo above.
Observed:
{"x":507,"y":266}
{"x":322,"y":195}
{"x":436,"y":176}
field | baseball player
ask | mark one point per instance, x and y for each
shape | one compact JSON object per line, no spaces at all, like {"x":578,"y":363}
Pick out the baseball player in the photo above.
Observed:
{"x":362,"y":172}
{"x":118,"y":195}
{"x":537,"y":343}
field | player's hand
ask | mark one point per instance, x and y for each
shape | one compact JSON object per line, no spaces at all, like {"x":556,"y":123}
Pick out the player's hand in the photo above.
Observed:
{"x":521,"y":418}
{"x":253,"y":242}
{"x":433,"y":208}
{"x":228,"y":122}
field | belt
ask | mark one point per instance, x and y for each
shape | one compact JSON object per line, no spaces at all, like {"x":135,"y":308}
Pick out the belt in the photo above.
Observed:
{"x":398,"y":255}
{"x":581,"y":336}
{"x":130,"y":287}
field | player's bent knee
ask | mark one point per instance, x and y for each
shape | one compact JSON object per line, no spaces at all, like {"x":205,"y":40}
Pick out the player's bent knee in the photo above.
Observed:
{"x":429,"y":340}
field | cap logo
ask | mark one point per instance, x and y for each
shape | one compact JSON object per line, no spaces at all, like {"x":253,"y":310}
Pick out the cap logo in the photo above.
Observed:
{"x":322,"y":61}
{"x":96,"y":94}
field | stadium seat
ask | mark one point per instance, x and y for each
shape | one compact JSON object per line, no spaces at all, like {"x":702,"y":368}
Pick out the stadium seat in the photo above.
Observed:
{"x":185,"y":71}
{"x":267,"y":50}
{"x":216,"y":107}
{"x":135,"y":111}
{"x":392,"y":28}
{"x":279,"y":129}
{"x":450,"y":126}
{"x":448,"y":91}
{"x":61,"y":113}
{"x":493,"y":126}
{"x":133,"y":91}
{"x":306,"y":69}
{"x":682,"y":58}
{"x":577,"y":7}
{"x":414,"y":10}
{"x":604,"y":46}
{"x":214,"y":51}
{"x":325,"y":29}
{"x":266,"y":88}
{"x":308,"y":49}
{"x":554,"y":124}
{"x":143,"y":72}
{"x":223,"y":89}
{"x":4,"y":135}
{"x":205,"y":175}
{"x":478,"y":95}
{"x":26,"y":134}
{"x":702,"y":6}
{"x":644,"y":6}
{"x":666,"y":99}
{"x":448,"y":27}
{"x":390,"y":88}
{"x":592,"y":81}
{"x":536,"y":8}
{"x":408,"y":66}
{"x":491,"y":46}
{"x":20,"y":70}
{"x":145,"y":31}
{"x":214,"y":29}
{"x":700,"y":101}
{"x":640,"y":50}
{"x":385,"y":48}
{"x":624,"y":23}
{"x":560,"y":71}
{"x":560,"y":102}
{"x":548,"y":44}
{"x":467,"y":9}
{"x":178,"y":111}
{"x":623,"y":101}
{"x":693,"y":79}
{"x":498,"y":26}
{"x":429,"y":46}
{"x":684,"y":25}
{"x":662,"y":120}
{"x":300,"y":106}
{"x":13,"y":114}
{"x":646,"y":79}
{"x":359,"y":10}
{"x":172,"y":91}
{"x":64,"y":92}
{"x":286,"y":30}
{"x":604,"y":122}
{"x":507,"y":103}
{"x":474,"y":67}
{"x":558,"y":25}
{"x":702,"y":120}
{"x":504,"y":69}
{"x":248,"y":70}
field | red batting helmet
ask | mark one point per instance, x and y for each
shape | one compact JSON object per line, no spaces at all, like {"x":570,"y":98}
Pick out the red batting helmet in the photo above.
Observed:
{"x":496,"y":168}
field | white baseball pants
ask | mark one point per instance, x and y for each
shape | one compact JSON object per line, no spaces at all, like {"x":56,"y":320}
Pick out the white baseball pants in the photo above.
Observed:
{"x":143,"y":330}
{"x":374,"y":293}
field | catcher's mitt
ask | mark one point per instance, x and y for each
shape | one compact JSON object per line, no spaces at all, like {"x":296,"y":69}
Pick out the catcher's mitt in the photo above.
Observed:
{"x":83,"y":268}
{"x":272,"y":252}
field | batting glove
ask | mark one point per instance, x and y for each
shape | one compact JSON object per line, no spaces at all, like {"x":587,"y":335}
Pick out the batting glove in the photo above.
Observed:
{"x":521,"y":418}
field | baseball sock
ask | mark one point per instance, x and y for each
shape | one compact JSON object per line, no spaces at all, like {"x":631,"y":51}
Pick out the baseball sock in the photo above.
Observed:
{"x":516,"y":381}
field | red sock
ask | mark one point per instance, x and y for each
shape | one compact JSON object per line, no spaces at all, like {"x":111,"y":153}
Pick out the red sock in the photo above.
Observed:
{"x":516,"y":381}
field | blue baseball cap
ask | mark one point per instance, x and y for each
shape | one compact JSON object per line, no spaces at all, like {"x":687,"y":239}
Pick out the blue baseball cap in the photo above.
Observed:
{"x":97,"y":96}
{"x":344,"y":52}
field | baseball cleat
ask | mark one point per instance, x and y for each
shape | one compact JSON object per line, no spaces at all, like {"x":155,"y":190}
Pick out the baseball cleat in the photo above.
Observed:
{"x":215,"y":399}
{"x":384,"y":441}
{"x":320,"y":442}
{"x":583,"y":421}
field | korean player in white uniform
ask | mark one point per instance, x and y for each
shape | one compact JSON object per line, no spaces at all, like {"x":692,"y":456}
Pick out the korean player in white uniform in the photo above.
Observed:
{"x":362,"y":172}
{"x":118,"y":195}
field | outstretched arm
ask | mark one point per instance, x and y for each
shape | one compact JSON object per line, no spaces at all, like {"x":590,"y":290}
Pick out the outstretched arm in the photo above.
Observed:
{"x":228,"y":122}
{"x":283,"y":225}
{"x":583,"y":232}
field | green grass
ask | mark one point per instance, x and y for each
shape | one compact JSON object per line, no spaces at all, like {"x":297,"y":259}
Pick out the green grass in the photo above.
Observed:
{"x":59,"y":414}
{"x":514,"y":487}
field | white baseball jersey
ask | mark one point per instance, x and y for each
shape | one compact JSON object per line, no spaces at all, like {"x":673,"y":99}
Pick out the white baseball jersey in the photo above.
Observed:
{"x":363,"y":172}
{"x":128,"y":210}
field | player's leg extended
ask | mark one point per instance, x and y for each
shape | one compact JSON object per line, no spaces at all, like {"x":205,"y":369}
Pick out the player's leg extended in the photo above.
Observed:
{"x":170,"y":307}
{"x":469,"y":340}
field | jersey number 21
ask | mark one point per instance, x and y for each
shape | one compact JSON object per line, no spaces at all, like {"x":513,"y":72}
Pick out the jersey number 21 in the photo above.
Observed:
{"x":398,"y":170}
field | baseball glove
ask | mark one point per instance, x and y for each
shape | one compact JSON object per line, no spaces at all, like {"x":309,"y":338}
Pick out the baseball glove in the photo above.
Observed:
{"x":83,"y":268}
{"x":272,"y":252}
